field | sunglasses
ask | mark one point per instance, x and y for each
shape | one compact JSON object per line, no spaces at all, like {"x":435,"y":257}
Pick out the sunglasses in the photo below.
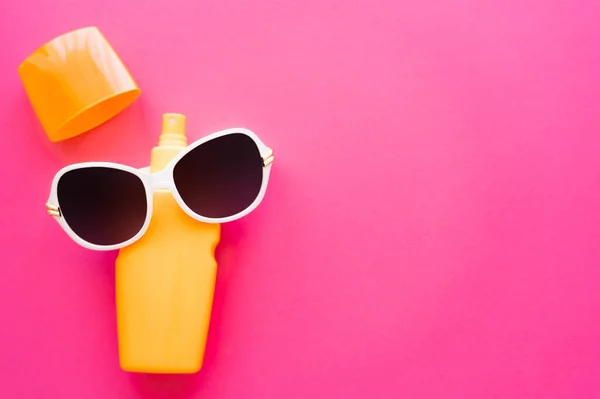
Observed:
{"x":217,"y":179}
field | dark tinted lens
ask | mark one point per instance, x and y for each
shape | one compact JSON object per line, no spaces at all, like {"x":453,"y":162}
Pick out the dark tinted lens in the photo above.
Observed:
{"x":103,"y":206}
{"x":221,"y":177}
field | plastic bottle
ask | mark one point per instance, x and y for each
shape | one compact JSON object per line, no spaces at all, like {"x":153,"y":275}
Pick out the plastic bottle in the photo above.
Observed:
{"x":165,"y":280}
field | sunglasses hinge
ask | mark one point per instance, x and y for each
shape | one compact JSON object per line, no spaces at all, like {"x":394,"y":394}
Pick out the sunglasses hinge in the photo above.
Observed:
{"x":268,"y":158}
{"x":53,"y":210}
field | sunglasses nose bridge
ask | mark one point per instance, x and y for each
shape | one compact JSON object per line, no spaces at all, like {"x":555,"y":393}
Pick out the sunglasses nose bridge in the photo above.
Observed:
{"x":159,"y":181}
{"x":160,"y":184}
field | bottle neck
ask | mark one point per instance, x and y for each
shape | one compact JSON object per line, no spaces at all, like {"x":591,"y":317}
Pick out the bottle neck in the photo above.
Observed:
{"x":161,"y":156}
{"x":168,"y":139}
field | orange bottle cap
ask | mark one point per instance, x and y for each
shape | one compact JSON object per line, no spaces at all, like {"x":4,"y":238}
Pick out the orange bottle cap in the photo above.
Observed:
{"x":76,"y":82}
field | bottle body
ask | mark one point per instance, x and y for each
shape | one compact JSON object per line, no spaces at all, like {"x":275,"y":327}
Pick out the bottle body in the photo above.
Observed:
{"x":164,"y":287}
{"x":164,"y":292}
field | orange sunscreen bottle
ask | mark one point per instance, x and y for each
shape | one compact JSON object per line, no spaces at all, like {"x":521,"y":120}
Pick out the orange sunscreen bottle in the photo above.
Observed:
{"x":165,"y":281}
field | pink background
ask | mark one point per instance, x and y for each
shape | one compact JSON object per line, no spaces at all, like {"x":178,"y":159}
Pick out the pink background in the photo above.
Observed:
{"x":432,"y":227}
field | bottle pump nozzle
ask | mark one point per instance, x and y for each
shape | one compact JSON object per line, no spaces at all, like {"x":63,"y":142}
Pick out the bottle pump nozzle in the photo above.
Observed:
{"x":173,"y":131}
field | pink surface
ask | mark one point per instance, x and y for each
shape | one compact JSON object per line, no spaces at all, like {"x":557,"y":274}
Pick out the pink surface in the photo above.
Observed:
{"x":432,"y":227}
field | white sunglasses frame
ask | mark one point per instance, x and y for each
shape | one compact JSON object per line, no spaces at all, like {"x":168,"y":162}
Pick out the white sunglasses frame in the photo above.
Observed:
{"x":160,"y":180}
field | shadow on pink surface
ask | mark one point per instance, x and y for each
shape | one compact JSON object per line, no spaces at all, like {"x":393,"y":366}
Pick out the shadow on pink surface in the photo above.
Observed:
{"x":166,"y":386}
